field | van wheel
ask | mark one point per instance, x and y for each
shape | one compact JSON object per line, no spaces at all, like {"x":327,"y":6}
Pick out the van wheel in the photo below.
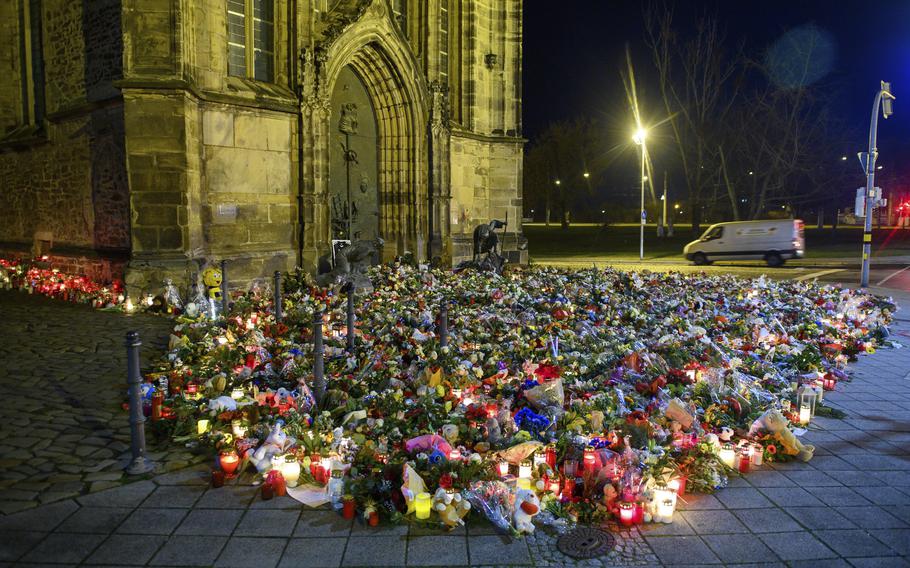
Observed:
{"x":700,"y":259}
{"x":774,"y":259}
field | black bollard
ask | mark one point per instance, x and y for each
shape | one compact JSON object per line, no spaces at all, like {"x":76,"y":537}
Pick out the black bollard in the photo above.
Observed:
{"x":278,"y":300}
{"x":225,"y":301}
{"x":444,"y":325}
{"x":139,"y":464}
{"x":351,"y":319}
{"x":318,"y":358}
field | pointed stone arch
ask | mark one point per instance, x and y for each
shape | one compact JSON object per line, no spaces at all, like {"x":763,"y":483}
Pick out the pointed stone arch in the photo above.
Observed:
{"x":374,"y":48}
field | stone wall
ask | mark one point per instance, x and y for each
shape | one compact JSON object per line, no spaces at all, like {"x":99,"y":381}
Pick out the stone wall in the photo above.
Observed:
{"x":66,"y":181}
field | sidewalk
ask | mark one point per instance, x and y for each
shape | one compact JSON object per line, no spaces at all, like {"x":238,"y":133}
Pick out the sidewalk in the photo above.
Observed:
{"x":849,"y":506}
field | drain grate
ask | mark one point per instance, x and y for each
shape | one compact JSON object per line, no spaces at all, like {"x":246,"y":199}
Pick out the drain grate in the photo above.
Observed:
{"x":585,"y":542}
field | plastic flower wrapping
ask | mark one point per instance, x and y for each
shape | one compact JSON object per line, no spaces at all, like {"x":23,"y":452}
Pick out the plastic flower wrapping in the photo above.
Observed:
{"x":580,"y":394}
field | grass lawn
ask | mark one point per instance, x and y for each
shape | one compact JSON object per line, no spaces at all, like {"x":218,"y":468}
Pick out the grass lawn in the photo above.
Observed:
{"x":618,"y":242}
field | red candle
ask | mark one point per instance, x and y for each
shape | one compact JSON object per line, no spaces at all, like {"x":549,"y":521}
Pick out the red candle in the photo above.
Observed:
{"x":551,"y":456}
{"x":492,"y":410}
{"x":627,"y":513}
{"x":454,"y":455}
{"x":554,"y":486}
{"x":639,"y":517}
{"x":267,"y":491}
{"x":217,"y":478}
{"x":157,"y":401}
{"x":568,"y":488}
{"x":373,"y":519}
{"x":745,"y":459}
{"x":350,"y":507}
{"x":229,"y":461}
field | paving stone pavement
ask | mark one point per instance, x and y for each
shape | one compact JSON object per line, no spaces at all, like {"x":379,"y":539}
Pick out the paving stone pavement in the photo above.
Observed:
{"x":62,"y":383}
{"x":849,"y":506}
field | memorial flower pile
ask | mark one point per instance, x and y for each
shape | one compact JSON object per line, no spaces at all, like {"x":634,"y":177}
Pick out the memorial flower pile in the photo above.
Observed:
{"x":35,"y":278}
{"x":542,"y":396}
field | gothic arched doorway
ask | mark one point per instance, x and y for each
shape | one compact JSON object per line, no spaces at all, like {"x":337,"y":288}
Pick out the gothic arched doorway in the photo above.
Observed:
{"x":353,"y":160}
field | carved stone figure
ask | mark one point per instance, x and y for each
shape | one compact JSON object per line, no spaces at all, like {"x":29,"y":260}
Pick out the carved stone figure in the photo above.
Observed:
{"x":348,"y":121}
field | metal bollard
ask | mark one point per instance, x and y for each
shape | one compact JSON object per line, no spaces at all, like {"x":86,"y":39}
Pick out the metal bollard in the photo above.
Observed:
{"x":225,"y":301}
{"x":351,"y":319}
{"x":318,"y":358}
{"x":139,"y":464}
{"x":444,"y":325}
{"x":278,"y":300}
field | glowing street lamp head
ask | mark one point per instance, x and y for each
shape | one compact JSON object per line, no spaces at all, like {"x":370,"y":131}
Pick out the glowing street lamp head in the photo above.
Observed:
{"x":586,"y":174}
{"x":558,"y":182}
{"x":639,"y":136}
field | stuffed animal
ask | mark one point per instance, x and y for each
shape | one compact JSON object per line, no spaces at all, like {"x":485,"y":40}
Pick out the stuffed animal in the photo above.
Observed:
{"x":451,"y":507}
{"x":276,"y":443}
{"x":773,"y":422}
{"x":211,"y":277}
{"x":527,"y":504}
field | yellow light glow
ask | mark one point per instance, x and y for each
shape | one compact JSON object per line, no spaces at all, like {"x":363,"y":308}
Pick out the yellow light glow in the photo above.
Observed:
{"x":640,"y":135}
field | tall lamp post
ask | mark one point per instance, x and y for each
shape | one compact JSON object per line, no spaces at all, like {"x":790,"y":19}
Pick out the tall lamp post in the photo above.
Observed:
{"x":883,"y":98}
{"x":639,"y":138}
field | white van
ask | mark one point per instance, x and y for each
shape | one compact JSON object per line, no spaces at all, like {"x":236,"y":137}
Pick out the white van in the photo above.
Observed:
{"x":775,"y":241}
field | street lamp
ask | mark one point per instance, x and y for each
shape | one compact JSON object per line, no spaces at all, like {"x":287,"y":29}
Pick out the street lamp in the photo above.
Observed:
{"x":883,"y":98}
{"x":586,"y":175}
{"x":639,"y":138}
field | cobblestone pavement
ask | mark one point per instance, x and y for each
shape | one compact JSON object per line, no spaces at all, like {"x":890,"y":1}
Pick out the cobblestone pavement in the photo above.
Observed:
{"x":62,"y":381}
{"x":849,"y":506}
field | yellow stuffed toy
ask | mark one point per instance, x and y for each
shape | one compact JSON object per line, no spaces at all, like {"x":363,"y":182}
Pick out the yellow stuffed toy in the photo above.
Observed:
{"x":211,"y":277}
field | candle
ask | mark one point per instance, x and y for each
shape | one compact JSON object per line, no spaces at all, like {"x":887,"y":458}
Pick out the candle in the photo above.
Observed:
{"x":639,"y":517}
{"x":745,"y":459}
{"x":503,"y":468}
{"x":829,"y":382}
{"x":456,"y":394}
{"x":540,"y":458}
{"x":568,"y":488}
{"x":627,"y":513}
{"x":757,"y":454}
{"x":267,"y":491}
{"x":349,"y":508}
{"x":157,"y":401}
{"x":524,"y":469}
{"x":237,"y":393}
{"x":217,"y":478}
{"x":229,"y":461}
{"x":665,"y":510}
{"x":325,"y":465}
{"x":524,"y":483}
{"x":290,"y":469}
{"x":454,"y":455}
{"x":238,"y":429}
{"x":570,"y":467}
{"x":202,"y":426}
{"x":492,"y":410}
{"x":590,"y":458}
{"x":553,"y":486}
{"x":678,"y":485}
{"x":422,"y":504}
{"x":805,"y":414}
{"x":551,"y":456}
{"x":727,"y":455}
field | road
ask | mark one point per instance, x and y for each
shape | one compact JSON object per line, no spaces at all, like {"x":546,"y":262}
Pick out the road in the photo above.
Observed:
{"x":891,"y":275}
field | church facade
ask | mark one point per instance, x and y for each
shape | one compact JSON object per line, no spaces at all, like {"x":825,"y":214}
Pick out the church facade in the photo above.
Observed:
{"x":143,"y":138}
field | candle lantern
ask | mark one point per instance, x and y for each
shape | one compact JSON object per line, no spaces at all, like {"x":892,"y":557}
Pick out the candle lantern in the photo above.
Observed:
{"x":503,"y":468}
{"x":290,"y":469}
{"x":551,"y":456}
{"x":237,"y":393}
{"x":422,"y":503}
{"x":349,"y":507}
{"x":727,"y":455}
{"x":524,"y":469}
{"x":805,"y":414}
{"x":202,"y":426}
{"x":807,"y":397}
{"x":829,"y":382}
{"x":627,"y":513}
{"x":157,"y":401}
{"x":229,"y":461}
{"x":590,"y":458}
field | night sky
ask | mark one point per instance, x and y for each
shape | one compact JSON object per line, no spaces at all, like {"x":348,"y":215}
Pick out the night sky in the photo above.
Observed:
{"x":574,"y":51}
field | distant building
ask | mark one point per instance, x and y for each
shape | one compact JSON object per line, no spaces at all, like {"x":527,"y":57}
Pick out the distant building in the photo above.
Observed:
{"x":142,"y":137}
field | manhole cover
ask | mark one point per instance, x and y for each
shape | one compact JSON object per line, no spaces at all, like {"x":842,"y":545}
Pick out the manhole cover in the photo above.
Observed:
{"x":585,"y":542}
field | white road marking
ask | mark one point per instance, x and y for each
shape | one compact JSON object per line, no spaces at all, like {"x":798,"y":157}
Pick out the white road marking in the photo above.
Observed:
{"x":890,"y":276}
{"x":812,"y":275}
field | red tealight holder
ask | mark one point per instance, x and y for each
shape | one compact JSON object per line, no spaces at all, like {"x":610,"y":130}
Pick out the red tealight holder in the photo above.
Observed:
{"x":639,"y":517}
{"x":229,"y":462}
{"x":217,"y":478}
{"x":829,"y":382}
{"x":590,"y":458}
{"x":627,"y":513}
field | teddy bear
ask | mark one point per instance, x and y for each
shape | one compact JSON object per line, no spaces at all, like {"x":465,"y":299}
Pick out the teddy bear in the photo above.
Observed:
{"x":277,"y":442}
{"x":451,"y":507}
{"x":527,"y":504}
{"x":773,"y":422}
